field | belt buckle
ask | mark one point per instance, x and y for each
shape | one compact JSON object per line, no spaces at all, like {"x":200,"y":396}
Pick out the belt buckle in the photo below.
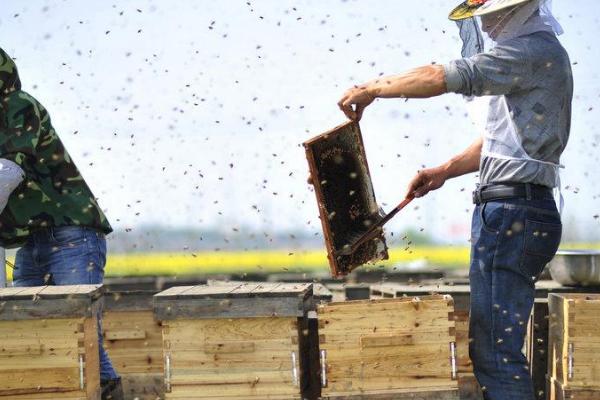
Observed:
{"x":477,"y":196}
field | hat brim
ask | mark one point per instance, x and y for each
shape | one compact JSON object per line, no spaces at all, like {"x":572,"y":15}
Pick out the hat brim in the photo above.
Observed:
{"x":464,"y":10}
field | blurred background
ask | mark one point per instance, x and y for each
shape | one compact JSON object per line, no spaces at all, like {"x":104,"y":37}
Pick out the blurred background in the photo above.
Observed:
{"x":186,"y":118}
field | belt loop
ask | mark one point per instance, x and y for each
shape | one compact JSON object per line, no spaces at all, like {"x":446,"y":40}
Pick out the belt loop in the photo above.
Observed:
{"x":528,"y":191}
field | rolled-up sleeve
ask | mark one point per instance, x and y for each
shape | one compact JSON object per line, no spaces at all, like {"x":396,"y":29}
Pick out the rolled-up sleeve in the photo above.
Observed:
{"x":507,"y":68}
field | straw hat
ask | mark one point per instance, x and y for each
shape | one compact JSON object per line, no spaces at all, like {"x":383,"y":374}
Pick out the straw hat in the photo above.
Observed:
{"x":471,"y":8}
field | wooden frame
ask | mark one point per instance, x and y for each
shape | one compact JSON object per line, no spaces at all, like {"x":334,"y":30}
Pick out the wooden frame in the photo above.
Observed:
{"x":340,"y":175}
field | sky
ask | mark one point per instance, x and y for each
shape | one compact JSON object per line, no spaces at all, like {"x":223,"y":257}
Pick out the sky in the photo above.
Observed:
{"x":191,"y":113}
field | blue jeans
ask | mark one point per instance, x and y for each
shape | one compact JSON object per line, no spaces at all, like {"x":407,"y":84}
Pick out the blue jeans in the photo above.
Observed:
{"x":68,"y":255}
{"x":512,"y":240}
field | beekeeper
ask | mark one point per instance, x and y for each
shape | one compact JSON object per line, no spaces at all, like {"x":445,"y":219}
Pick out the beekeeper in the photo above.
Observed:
{"x":513,"y":69}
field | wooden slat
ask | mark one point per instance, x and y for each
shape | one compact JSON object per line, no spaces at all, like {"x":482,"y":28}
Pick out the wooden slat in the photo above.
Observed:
{"x":237,"y":290}
{"x":90,"y":350}
{"x":71,"y":291}
{"x":223,"y":347}
{"x":172,"y":292}
{"x":232,"y":391}
{"x":411,"y":394}
{"x":32,"y":380}
{"x":52,"y":291}
{"x":320,"y":292}
{"x":48,"y":302}
{"x":40,"y":395}
{"x":229,"y":308}
{"x":10,"y":292}
{"x":30,"y":292}
{"x":125,"y":334}
{"x":20,"y":350}
{"x":367,"y":341}
{"x":203,"y":291}
{"x":134,"y":356}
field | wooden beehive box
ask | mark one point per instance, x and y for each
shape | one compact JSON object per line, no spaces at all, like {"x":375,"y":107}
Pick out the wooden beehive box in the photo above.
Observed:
{"x":574,"y":341}
{"x":557,"y":391}
{"x":461,"y":297}
{"x":240,"y":341}
{"x":133,"y":339}
{"x":340,"y":175}
{"x":391,"y":348}
{"x":320,"y":295}
{"x":49,"y":342}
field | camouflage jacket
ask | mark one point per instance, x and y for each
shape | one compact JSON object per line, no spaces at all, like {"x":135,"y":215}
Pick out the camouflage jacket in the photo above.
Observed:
{"x":53,"y":192}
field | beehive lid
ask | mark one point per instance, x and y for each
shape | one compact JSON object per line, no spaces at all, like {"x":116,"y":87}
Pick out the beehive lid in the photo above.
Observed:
{"x":345,"y":196}
{"x":48,"y":301}
{"x":320,"y":291}
{"x":233,"y":300}
{"x":128,"y":300}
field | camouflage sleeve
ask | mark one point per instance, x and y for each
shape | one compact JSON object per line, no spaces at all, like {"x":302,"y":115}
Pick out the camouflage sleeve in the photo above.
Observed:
{"x":11,"y":175}
{"x":20,"y":133}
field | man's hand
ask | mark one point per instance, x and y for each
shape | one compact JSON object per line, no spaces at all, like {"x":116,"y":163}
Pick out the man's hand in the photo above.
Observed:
{"x":427,"y":180}
{"x":359,"y":97}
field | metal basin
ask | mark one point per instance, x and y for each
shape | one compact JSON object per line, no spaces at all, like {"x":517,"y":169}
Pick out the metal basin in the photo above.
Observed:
{"x":576,"y":267}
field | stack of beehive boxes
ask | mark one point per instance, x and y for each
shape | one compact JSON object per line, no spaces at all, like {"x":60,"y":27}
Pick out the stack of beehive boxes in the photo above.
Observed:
{"x":49,"y":343}
{"x":574,"y":347}
{"x":227,"y":341}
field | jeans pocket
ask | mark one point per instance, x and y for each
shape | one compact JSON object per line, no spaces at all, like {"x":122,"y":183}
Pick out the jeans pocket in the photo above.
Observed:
{"x":68,"y":236}
{"x":540,"y":242}
{"x":491,"y":215}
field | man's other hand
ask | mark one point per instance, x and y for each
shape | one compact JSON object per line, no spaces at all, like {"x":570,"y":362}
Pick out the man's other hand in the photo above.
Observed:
{"x":427,"y":180}
{"x":359,"y":97}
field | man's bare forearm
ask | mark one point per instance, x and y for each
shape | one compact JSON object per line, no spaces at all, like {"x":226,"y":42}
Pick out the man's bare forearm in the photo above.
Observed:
{"x":466,"y":162}
{"x":422,"y":82}
{"x":427,"y":81}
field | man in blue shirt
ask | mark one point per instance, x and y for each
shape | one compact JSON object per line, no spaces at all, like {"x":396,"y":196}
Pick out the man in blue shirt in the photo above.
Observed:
{"x":525,"y":82}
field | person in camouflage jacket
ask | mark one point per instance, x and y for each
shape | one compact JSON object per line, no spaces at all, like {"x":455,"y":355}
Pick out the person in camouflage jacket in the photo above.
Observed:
{"x":53,"y":192}
{"x":46,"y":207}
